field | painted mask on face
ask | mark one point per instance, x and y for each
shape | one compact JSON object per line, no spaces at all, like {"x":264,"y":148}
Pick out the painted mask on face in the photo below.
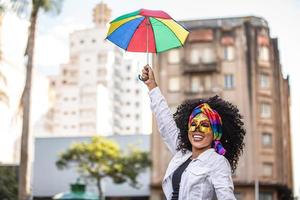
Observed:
{"x":200,"y":123}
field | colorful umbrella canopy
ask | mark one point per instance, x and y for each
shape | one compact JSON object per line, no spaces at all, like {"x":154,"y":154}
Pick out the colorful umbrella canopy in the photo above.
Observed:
{"x":144,"y":30}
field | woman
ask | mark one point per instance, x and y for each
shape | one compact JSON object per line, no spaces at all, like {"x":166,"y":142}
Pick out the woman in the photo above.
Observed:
{"x":205,"y":137}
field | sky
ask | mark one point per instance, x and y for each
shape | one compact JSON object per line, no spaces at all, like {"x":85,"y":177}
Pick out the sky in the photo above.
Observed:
{"x":52,"y":35}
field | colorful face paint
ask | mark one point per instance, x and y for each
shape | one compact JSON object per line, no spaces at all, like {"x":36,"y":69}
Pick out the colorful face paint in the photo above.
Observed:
{"x":200,"y":123}
{"x":215,"y":124}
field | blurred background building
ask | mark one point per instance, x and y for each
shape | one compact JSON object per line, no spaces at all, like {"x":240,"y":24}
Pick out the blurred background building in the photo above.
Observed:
{"x":95,"y":92}
{"x":236,"y":59}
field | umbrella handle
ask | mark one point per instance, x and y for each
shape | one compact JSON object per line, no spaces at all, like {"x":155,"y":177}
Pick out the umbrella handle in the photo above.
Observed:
{"x":141,"y":78}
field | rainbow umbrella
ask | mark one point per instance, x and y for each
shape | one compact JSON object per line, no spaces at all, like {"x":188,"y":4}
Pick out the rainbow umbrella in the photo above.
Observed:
{"x":147,"y":31}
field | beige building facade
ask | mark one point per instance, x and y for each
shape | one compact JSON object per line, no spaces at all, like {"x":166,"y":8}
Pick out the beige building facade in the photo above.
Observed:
{"x":237,"y":59}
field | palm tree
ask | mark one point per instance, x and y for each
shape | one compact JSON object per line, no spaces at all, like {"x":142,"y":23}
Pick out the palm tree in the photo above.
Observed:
{"x":24,"y":175}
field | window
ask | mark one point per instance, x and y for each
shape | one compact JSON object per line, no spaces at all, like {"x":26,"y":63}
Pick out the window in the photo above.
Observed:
{"x":194,"y":56}
{"x":265,"y":110}
{"x":208,"y":56}
{"x":228,"y":81}
{"x":102,"y":58}
{"x":81,"y":41}
{"x":137,"y":116}
{"x":128,"y":67}
{"x":266,"y":140}
{"x":137,"y":92}
{"x":207,"y":83}
{"x":93,"y":40}
{"x":263,"y":53}
{"x":264,"y":81}
{"x":195,"y":84}
{"x":65,"y":72}
{"x":174,"y":84}
{"x":228,"y":52}
{"x":267,"y":169}
{"x":101,"y":72}
{"x":137,"y":104}
{"x":238,"y":195}
{"x":265,"y":196}
{"x":174,"y":56}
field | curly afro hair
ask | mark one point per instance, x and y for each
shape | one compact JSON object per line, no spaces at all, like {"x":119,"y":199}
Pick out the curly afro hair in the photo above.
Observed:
{"x":232,"y":126}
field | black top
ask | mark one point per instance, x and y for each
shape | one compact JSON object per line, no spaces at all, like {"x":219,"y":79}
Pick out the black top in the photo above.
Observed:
{"x":176,"y":178}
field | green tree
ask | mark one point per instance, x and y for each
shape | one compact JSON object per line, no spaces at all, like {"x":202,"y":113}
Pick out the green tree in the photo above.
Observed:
{"x":8,"y":183}
{"x":36,"y":6}
{"x":20,"y":7}
{"x":102,"y":158}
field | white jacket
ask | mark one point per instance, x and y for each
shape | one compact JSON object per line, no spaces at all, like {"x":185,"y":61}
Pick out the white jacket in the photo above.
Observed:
{"x":206,"y":176}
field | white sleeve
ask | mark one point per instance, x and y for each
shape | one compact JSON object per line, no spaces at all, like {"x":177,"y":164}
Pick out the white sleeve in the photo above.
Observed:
{"x":164,"y":118}
{"x":222,"y":181}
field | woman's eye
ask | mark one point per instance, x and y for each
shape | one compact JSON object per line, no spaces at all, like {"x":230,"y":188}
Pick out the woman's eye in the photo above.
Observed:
{"x":193,"y":124}
{"x":205,"y":124}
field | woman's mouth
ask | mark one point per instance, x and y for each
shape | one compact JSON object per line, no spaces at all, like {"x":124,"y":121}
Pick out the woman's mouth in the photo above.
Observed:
{"x":198,"y":137}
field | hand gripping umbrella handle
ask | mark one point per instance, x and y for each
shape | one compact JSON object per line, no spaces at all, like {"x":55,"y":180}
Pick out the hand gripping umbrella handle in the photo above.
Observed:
{"x":143,"y":78}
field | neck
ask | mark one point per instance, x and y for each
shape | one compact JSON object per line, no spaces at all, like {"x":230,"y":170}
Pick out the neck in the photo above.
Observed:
{"x":196,"y":152}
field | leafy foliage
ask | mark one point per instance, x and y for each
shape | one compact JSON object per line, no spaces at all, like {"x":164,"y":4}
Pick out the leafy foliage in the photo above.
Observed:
{"x":102,"y":157}
{"x":8,"y":183}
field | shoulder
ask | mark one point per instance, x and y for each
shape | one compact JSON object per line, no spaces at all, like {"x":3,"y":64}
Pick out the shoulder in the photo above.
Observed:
{"x":220,"y":163}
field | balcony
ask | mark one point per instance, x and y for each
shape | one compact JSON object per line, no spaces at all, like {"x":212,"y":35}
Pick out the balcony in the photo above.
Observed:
{"x":200,"y":66}
{"x":203,"y":93}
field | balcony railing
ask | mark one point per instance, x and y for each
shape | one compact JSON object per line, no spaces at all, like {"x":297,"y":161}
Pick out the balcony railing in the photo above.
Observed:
{"x":200,"y":66}
{"x":205,"y":93}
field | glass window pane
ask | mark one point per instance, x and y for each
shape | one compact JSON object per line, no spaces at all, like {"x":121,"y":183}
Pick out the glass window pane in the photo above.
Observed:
{"x":195,"y":83}
{"x":265,"y":196}
{"x":266,"y":139}
{"x":267,"y":169}
{"x":263,"y":53}
{"x":174,"y":56}
{"x":208,"y":55}
{"x":265,"y":110}
{"x":228,"y":81}
{"x":174,"y":84}
{"x":194,"y":56}
{"x":264,"y":81}
{"x":228,"y":52}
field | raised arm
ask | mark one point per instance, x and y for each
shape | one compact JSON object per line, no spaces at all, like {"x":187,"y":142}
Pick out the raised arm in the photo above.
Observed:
{"x":164,"y":118}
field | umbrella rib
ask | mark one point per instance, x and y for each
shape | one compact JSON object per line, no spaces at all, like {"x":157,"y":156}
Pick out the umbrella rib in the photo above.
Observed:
{"x":153,"y":35}
{"x":134,"y":33}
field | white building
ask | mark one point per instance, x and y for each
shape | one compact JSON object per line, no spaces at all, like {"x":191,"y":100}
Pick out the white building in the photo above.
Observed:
{"x":97,"y":90}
